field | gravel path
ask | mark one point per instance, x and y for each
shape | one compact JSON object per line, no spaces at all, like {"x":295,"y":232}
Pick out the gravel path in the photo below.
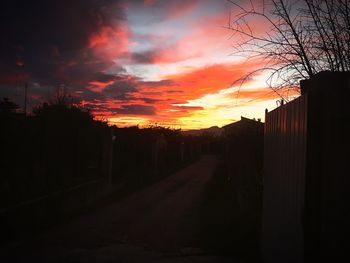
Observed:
{"x":157,"y":224}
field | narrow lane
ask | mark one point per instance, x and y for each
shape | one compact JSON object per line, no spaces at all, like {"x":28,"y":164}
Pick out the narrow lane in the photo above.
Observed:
{"x":157,"y":224}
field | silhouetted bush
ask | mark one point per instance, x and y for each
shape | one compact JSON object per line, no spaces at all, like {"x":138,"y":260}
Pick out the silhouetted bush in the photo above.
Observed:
{"x":136,"y":157}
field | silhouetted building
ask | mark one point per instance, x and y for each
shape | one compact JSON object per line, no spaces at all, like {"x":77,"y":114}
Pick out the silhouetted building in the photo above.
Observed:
{"x":244,"y":125}
{"x":243,"y":146}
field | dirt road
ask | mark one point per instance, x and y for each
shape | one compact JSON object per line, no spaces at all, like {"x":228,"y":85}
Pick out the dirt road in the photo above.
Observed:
{"x":157,"y":224}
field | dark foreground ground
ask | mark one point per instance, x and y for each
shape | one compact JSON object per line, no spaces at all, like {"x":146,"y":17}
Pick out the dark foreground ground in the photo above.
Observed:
{"x":191,"y":216}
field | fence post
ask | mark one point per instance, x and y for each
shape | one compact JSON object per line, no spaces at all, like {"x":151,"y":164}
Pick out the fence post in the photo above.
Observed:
{"x":111,"y":140}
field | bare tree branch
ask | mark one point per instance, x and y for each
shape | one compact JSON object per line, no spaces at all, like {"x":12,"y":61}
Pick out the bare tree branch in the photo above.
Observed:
{"x":303,"y":37}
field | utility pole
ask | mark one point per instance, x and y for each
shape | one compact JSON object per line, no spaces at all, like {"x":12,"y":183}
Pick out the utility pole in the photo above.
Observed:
{"x":25,"y":98}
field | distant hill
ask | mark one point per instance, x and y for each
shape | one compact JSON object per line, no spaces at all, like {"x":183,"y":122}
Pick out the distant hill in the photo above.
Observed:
{"x":227,"y":129}
{"x":214,"y":130}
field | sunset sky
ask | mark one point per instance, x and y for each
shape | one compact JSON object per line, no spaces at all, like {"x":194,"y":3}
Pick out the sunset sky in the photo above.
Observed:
{"x":131,"y":62}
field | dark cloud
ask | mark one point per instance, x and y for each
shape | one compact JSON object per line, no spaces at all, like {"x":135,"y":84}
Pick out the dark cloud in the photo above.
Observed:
{"x":48,"y":40}
{"x":150,"y":100}
{"x":121,"y":88}
{"x":174,"y":91}
{"x":100,"y":106}
{"x":152,"y":56}
{"x":157,"y":46}
{"x":131,"y":109}
{"x":146,"y":57}
{"x":122,"y":84}
{"x":89,"y":95}
{"x":103,"y":77}
{"x":137,"y":109}
{"x":48,"y":43}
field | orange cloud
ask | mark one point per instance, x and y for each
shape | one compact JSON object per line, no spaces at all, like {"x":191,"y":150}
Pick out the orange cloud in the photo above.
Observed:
{"x":199,"y":82}
{"x":173,"y":99}
{"x":102,"y":37}
{"x":98,"y":86}
{"x":168,"y":101}
{"x":110,"y":42}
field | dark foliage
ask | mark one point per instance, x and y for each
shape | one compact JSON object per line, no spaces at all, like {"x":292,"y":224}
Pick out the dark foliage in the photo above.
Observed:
{"x":57,"y":161}
{"x":7,"y":106}
{"x":136,"y":155}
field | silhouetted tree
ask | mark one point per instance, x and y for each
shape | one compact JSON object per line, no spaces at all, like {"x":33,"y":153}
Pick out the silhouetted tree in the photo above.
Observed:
{"x":303,"y":37}
{"x":62,"y":111}
{"x":7,"y":106}
{"x":61,"y":106}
